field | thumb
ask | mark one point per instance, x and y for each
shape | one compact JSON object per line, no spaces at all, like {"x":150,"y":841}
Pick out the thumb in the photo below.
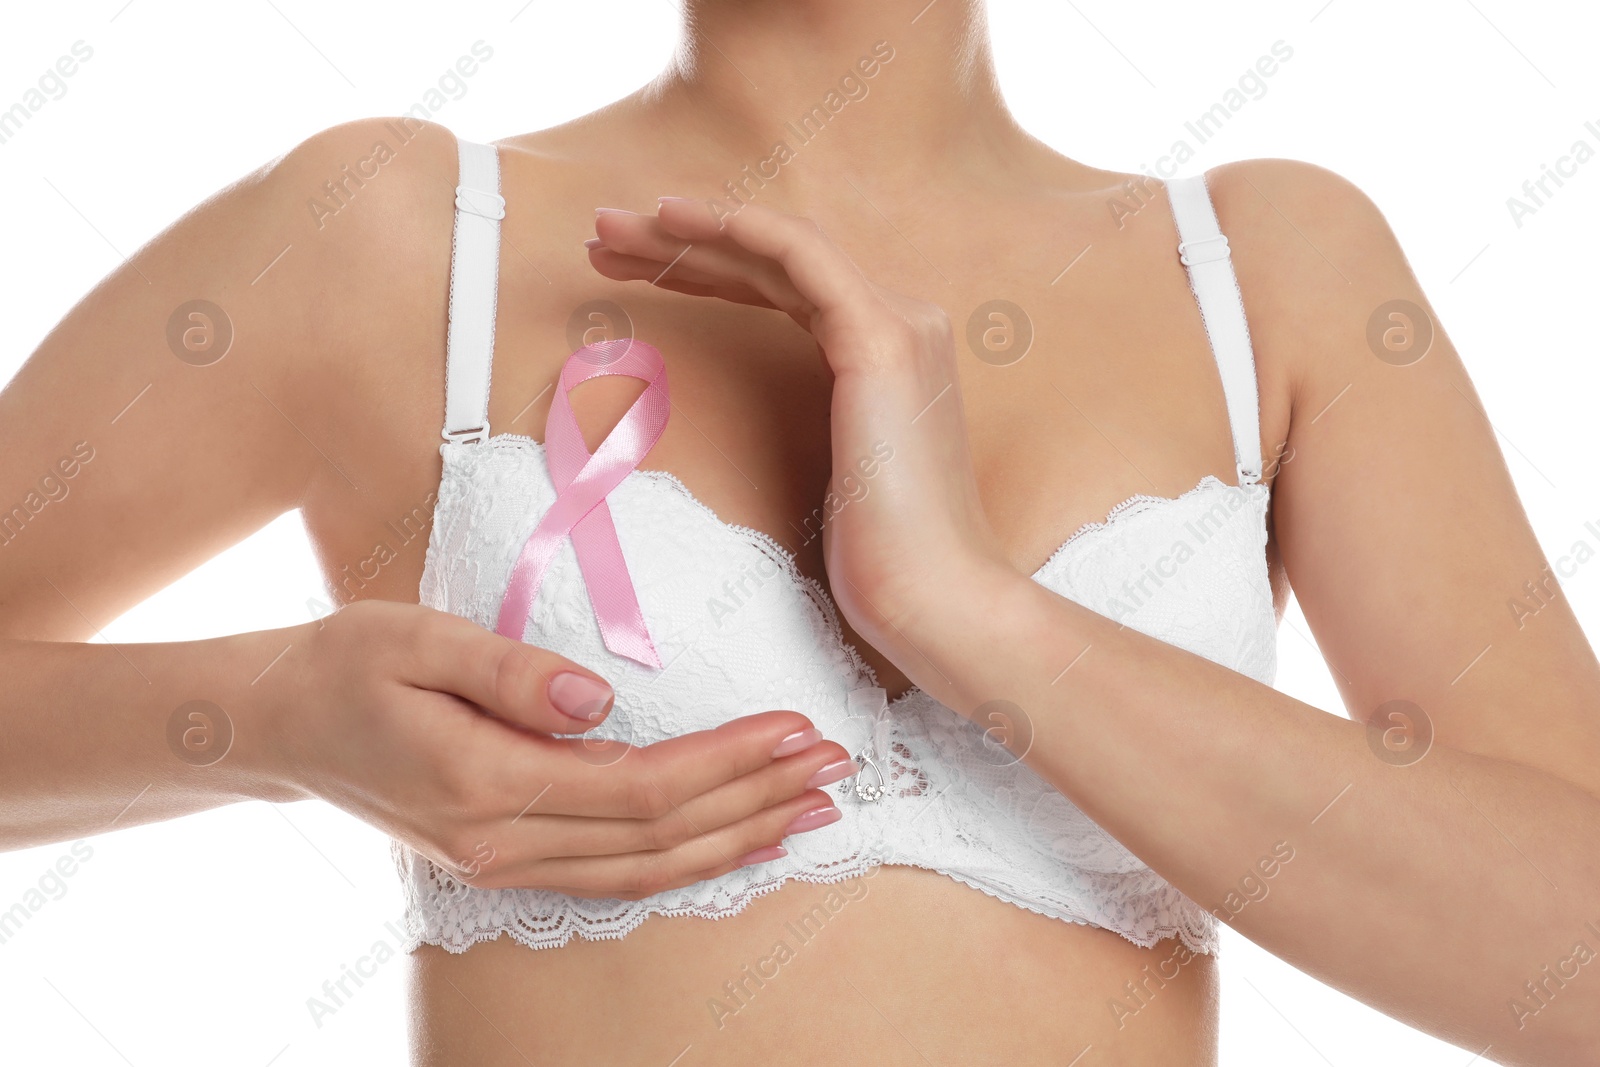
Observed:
{"x":512,"y":680}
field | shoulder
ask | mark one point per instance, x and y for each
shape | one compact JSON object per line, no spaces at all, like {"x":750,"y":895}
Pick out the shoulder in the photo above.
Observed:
{"x":350,"y":232}
{"x":302,"y":265}
{"x":1294,"y":210}
{"x":367,"y":193}
{"x":1315,"y":258}
{"x":396,"y":159}
{"x":1316,"y":231}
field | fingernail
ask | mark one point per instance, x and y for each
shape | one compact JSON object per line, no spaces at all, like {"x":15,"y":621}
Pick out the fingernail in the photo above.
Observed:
{"x":579,"y":696}
{"x":593,"y":242}
{"x":762,"y":855}
{"x":613,"y":211}
{"x":675,"y":199}
{"x":829,"y":773}
{"x":797,"y":742}
{"x":813,"y":819}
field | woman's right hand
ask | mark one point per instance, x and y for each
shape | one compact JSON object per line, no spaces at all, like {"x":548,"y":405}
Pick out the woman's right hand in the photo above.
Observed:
{"x":439,"y":732}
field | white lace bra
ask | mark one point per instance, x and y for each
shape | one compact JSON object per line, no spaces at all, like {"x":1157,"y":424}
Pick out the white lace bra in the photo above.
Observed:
{"x":1189,"y":570}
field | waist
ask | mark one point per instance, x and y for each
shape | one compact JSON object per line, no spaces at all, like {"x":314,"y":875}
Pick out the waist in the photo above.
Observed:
{"x":890,"y":967}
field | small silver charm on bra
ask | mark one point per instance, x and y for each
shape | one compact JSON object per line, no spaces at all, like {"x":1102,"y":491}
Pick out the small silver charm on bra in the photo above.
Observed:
{"x":870,"y":701}
{"x":864,"y":790}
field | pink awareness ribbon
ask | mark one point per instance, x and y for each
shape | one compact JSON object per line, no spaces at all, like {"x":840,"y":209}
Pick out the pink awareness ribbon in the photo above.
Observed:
{"x":582,"y":482}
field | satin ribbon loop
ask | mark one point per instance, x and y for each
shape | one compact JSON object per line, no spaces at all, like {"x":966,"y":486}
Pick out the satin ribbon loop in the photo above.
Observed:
{"x":582,"y":482}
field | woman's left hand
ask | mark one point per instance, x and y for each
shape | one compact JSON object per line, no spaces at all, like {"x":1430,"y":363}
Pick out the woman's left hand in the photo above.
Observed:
{"x":894,"y":543}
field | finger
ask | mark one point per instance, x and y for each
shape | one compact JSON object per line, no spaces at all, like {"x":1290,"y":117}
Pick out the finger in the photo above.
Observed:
{"x":626,"y":268}
{"x":732,"y":295}
{"x":817,"y":268}
{"x":645,"y":873}
{"x":614,"y":780}
{"x":648,"y":252}
{"x":526,"y":773}
{"x":687,"y":880}
{"x":822,"y":765}
{"x":776,"y":783}
{"x":512,"y":680}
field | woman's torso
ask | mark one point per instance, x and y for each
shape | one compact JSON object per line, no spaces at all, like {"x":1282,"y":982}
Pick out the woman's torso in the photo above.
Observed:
{"x":1118,"y":395}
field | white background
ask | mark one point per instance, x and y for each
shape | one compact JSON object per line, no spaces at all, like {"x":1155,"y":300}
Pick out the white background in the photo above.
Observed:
{"x":200,"y":941}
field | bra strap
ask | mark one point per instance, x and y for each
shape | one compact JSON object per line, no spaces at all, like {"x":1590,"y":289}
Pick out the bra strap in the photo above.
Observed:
{"x":1203,"y":250}
{"x":474,"y":286}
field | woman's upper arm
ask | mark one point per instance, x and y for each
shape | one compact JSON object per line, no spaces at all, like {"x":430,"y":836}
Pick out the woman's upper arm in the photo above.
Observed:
{"x":1395,"y":514}
{"x":177,"y":407}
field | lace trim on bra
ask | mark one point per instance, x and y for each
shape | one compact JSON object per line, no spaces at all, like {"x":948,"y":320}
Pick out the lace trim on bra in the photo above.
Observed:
{"x":1137,"y":504}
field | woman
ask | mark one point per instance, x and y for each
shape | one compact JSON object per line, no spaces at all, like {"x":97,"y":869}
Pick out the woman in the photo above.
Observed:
{"x":891,"y":429}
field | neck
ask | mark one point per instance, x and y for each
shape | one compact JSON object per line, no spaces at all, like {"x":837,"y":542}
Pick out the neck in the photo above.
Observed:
{"x":901,"y":90}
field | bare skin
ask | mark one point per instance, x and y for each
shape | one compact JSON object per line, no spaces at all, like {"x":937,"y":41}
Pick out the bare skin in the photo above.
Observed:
{"x":332,"y":399}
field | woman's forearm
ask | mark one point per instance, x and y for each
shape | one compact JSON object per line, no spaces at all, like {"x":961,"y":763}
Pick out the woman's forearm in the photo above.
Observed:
{"x":101,"y":736}
{"x":1452,"y":893}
